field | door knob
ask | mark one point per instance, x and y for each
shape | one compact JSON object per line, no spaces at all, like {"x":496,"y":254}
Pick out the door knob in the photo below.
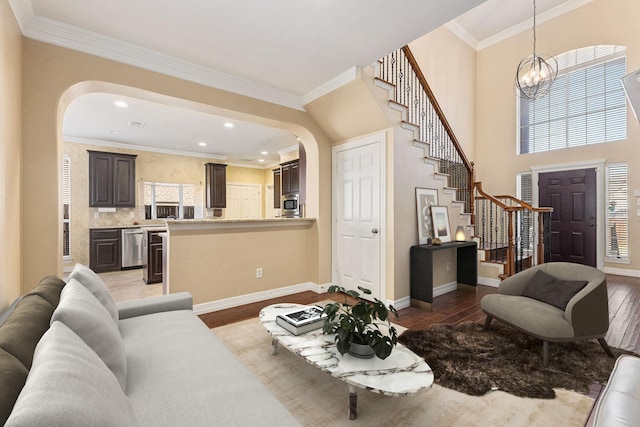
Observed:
{"x":374,"y":231}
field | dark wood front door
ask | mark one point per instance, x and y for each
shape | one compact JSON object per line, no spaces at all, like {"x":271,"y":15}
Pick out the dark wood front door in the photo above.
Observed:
{"x":572,"y":195}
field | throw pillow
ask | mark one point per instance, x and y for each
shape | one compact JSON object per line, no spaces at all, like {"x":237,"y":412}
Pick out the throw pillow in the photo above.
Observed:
{"x":49,"y":288}
{"x":94,"y":283}
{"x":70,"y":386}
{"x":13,"y":374}
{"x":24,"y":327}
{"x":551,"y":290}
{"x":87,"y":318}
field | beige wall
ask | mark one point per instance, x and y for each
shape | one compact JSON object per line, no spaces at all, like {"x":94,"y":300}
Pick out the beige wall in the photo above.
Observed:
{"x":10,"y":155}
{"x":599,"y":22}
{"x":53,"y":76}
{"x":208,"y":263}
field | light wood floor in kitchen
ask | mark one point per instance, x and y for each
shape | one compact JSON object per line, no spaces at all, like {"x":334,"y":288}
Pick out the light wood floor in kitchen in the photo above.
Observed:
{"x":453,"y":307}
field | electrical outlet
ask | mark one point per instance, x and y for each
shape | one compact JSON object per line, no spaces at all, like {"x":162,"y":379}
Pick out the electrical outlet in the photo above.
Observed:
{"x":448,"y":266}
{"x":96,"y":215}
{"x":132,"y":215}
{"x":259,"y":273}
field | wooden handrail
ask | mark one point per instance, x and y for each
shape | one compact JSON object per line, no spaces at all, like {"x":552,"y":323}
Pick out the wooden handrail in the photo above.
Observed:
{"x":525,"y":204}
{"x":436,"y":107}
{"x":493,"y":199}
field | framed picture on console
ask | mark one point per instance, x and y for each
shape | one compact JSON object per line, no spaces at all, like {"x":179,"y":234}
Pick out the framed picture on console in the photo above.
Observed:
{"x":440,"y":218}
{"x":425,"y":198}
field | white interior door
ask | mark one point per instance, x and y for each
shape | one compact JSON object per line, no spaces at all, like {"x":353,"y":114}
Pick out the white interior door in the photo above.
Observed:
{"x":358,"y":213}
{"x":243,"y":201}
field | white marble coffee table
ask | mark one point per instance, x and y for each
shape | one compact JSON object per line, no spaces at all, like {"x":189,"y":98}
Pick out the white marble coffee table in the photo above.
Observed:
{"x":400,"y":374}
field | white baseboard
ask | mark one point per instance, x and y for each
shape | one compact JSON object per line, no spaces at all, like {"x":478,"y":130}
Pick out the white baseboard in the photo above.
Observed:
{"x":487,"y":281}
{"x":445,"y":289}
{"x":622,"y":272}
{"x":222,"y":304}
{"x":401,"y":303}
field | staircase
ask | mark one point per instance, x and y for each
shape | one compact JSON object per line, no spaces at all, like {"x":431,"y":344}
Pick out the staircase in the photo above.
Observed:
{"x":510,"y":233}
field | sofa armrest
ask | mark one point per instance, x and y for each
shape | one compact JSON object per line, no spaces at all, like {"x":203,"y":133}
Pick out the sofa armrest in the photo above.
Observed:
{"x":141,"y":307}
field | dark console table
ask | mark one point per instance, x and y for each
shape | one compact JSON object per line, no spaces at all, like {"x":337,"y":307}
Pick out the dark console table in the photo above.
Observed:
{"x":422,"y":270}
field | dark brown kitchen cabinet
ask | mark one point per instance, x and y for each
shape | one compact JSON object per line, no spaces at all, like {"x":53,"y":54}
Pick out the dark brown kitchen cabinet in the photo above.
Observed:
{"x":152,"y":258}
{"x":112,"y":179}
{"x":290,"y":177}
{"x":216,"y":179}
{"x":277,"y":189}
{"x":105,"y":250}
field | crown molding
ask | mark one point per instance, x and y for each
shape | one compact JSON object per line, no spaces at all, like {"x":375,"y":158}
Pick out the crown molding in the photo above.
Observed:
{"x":111,"y":144}
{"x":288,"y":149}
{"x":550,"y":14}
{"x":528,"y":24}
{"x":23,"y":12}
{"x":462,"y":34}
{"x":75,"y":38}
{"x":340,"y":80}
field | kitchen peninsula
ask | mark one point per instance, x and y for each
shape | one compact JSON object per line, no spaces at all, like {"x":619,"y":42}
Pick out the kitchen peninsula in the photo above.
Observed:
{"x":224,"y":263}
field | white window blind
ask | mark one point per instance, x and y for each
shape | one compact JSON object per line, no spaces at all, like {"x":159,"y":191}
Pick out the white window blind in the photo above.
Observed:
{"x":586,"y":104}
{"x":66,"y":205}
{"x":617,"y":232}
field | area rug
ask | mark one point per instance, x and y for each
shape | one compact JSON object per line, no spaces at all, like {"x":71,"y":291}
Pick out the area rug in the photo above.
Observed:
{"x":466,"y":358}
{"x":317,"y":399}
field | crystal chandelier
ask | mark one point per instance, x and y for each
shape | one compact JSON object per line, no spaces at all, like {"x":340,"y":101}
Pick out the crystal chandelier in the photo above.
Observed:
{"x":536,"y":73}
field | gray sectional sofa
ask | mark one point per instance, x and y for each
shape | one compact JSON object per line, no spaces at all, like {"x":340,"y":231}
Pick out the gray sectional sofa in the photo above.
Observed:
{"x":70,"y":356}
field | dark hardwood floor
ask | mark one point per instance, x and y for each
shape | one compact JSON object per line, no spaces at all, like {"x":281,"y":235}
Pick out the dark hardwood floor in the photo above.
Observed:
{"x":460,"y":306}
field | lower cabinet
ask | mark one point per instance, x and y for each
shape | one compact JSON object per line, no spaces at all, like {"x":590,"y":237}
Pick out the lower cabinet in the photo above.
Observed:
{"x":152,"y":258}
{"x":105,"y":250}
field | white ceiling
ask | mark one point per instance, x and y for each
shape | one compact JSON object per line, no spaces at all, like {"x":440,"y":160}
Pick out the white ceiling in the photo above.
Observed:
{"x":284,"y":51}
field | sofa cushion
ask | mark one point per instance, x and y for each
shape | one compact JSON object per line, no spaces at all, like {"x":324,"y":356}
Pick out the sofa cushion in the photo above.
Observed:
{"x":94,"y":283}
{"x":551,"y":290}
{"x":49,"y":288}
{"x":69,"y":385}
{"x":87,"y":318}
{"x":181,"y":374}
{"x":13,"y":375}
{"x":24,"y":327}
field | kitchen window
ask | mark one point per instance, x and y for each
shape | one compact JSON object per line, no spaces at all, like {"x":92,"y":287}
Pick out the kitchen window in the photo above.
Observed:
{"x":586,"y":104}
{"x":169,"y":201}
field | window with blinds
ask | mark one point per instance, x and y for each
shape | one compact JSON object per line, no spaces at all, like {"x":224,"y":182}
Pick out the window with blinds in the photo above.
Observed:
{"x":66,"y":203}
{"x":586,"y":104}
{"x":617,"y":215}
{"x":525,"y":219}
{"x":167,"y":200}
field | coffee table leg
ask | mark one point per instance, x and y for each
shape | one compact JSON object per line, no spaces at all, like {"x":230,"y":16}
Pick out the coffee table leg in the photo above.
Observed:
{"x":353,"y":402}
{"x":274,"y":346}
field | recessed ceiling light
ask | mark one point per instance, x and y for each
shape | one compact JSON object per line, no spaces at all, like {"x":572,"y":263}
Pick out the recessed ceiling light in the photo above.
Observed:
{"x":121,"y":104}
{"x":264,"y":153}
{"x":202,"y":144}
{"x":228,"y":125}
{"x":114,"y":131}
{"x":261,"y":160}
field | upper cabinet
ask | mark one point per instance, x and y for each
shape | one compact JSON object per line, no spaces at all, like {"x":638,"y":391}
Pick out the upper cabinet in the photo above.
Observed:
{"x":290,"y":177}
{"x":277,"y":192}
{"x":216,"y":179}
{"x":112,"y":179}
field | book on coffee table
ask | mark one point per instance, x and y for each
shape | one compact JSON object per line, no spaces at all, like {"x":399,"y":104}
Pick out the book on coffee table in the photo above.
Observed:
{"x":302,"y":320}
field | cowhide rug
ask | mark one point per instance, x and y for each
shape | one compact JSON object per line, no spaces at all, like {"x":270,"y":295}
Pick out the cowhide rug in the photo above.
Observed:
{"x":468,"y":359}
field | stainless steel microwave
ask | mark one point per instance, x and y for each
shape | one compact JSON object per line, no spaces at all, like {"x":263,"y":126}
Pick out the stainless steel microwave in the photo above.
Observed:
{"x":290,"y":206}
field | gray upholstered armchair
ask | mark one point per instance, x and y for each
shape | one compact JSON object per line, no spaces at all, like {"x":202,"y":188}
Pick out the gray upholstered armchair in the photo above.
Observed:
{"x":586,"y":315}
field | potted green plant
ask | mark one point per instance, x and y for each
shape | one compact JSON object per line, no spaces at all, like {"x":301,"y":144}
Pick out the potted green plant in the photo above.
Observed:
{"x":358,"y":326}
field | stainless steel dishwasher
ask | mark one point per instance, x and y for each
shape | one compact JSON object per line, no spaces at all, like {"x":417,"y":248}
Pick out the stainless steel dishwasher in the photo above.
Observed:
{"x":132,"y":247}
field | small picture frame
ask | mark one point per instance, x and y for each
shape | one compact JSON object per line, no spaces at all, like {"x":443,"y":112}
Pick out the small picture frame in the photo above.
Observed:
{"x":425,"y":198}
{"x":440,"y":219}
